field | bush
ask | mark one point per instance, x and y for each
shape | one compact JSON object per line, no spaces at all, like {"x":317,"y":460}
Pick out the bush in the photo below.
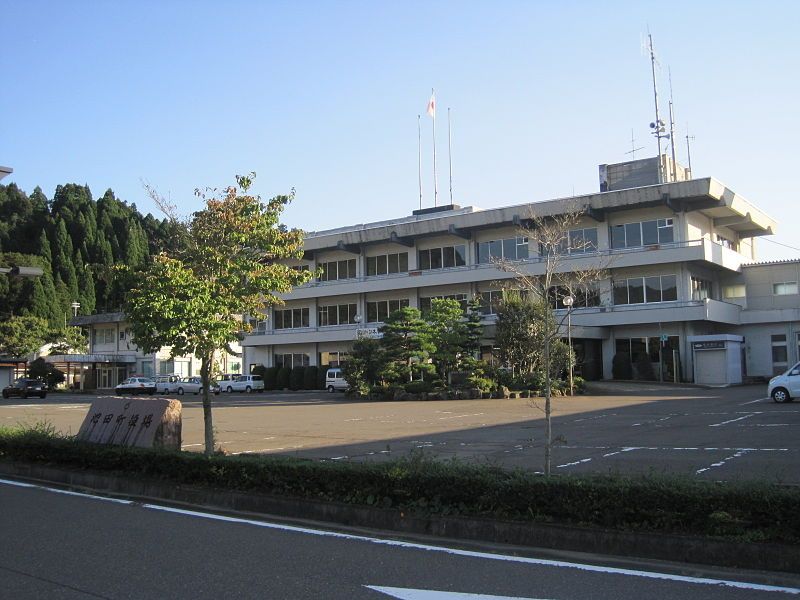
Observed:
{"x":310,"y":378}
{"x":258,"y":370}
{"x":644,"y":368}
{"x":322,"y":373}
{"x":282,"y":379}
{"x":754,"y":512}
{"x":296,"y":378}
{"x":621,"y":366}
{"x":418,"y":387}
{"x":39,"y":369}
{"x":270,"y":378}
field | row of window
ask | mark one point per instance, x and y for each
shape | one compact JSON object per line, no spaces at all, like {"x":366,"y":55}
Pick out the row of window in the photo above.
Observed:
{"x":784,"y":288}
{"x":644,"y":290}
{"x":337,"y":314}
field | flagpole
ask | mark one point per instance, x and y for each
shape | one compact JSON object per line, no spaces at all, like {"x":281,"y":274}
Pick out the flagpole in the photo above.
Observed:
{"x":435,"y":180}
{"x":450,"y":154}
{"x":419,"y":159}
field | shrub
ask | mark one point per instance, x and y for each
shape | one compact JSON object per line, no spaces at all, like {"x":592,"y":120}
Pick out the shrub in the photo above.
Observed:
{"x":296,"y":378}
{"x":310,"y":378}
{"x":282,"y":379}
{"x":39,"y":369}
{"x":644,"y":368}
{"x":621,"y":366}
{"x":418,"y":387}
{"x":270,"y":378}
{"x":258,"y":370}
{"x":322,"y":373}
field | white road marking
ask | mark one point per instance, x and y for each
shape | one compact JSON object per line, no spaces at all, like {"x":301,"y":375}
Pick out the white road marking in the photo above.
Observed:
{"x":412,"y":594}
{"x":443,"y":549}
{"x":747,"y":416}
{"x":190,"y":445}
{"x":741,"y":452}
{"x":572,"y":464}
{"x":754,"y":401}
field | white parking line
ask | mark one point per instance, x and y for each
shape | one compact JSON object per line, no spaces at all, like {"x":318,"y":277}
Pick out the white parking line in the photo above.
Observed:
{"x":747,"y":416}
{"x":754,"y":401}
{"x":741,"y":452}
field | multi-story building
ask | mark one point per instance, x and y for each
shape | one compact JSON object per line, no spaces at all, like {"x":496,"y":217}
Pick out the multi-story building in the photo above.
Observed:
{"x":113,"y":357}
{"x":679,"y":256}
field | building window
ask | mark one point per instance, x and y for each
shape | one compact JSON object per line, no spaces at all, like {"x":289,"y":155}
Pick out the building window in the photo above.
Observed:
{"x":725,"y":242}
{"x":734,"y":291}
{"x":104,"y":335}
{"x":701,"y":289}
{"x":425,"y":303}
{"x":338,"y":269}
{"x":660,"y":353}
{"x":443,"y":258}
{"x":490,"y":301}
{"x":646,"y":290}
{"x":378,"y":312}
{"x":387,"y":264}
{"x":785,"y":288}
{"x":332,"y":359}
{"x":645,"y":233}
{"x":515,"y":248}
{"x":780,"y":354}
{"x":291,"y":318}
{"x":582,"y":241}
{"x":337,"y":314}
{"x":291,"y":360}
{"x":584,"y":296}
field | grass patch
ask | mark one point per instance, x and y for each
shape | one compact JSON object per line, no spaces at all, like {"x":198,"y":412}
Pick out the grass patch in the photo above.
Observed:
{"x":755,"y":512}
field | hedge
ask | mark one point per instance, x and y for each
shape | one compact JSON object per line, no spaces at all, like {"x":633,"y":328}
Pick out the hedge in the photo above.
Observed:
{"x":282,"y":378}
{"x":296,"y":378}
{"x":310,"y":378}
{"x":270,"y":378}
{"x":755,"y":512}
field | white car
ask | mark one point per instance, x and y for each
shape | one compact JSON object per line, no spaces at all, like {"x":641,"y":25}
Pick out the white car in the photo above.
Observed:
{"x":335,"y":381}
{"x":137,"y":385}
{"x":785,"y":387}
{"x":167,"y":384}
{"x":244,"y":383}
{"x":187,"y":385}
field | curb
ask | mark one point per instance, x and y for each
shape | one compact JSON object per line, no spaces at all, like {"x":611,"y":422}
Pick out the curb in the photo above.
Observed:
{"x":675,"y":548}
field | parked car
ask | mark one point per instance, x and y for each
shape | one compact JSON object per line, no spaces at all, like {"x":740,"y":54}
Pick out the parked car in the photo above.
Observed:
{"x":24,"y":387}
{"x":167,"y":384}
{"x":335,"y":381}
{"x":137,"y":385}
{"x":786,"y":386}
{"x":194,"y":385}
{"x":245,"y":383}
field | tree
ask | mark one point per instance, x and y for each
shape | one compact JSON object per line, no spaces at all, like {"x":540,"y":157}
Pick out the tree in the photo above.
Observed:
{"x":224,"y":267}
{"x":365,"y":366}
{"x":558,"y":273}
{"x":408,"y":344}
{"x":21,"y":336}
{"x":40,"y":369}
{"x":456,"y":338}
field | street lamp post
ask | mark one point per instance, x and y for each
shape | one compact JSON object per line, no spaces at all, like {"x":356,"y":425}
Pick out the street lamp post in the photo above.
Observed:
{"x":568,"y":301}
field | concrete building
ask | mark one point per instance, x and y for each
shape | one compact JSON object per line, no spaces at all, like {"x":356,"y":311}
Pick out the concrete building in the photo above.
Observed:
{"x":113,"y":357}
{"x":681,"y":258}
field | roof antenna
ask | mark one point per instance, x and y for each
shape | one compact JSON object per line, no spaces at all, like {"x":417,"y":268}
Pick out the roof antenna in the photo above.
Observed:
{"x":672,"y":129}
{"x":658,"y":126}
{"x":688,"y":150}
{"x":634,"y":149}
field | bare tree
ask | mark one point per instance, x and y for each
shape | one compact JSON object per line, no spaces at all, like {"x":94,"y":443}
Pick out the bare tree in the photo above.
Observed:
{"x":562,"y":264}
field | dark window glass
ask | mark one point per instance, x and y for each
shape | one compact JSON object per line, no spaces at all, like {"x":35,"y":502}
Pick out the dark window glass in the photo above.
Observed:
{"x":510,"y":249}
{"x":460,"y":255}
{"x":322,"y":316}
{"x":278,"y":319}
{"x":522,"y":248}
{"x":623,"y":345}
{"x":633,"y":235}
{"x":449,"y":256}
{"x":372,"y":266}
{"x":669,"y":288}
{"x":621,"y":292}
{"x":638,"y":349}
{"x":352,"y":313}
{"x":381,"y":264}
{"x":779,"y":338}
{"x":351,"y":271}
{"x":403,"y":262}
{"x":649,"y":233}
{"x":393,"y":263}
{"x":383,"y":311}
{"x":424,"y":305}
{"x":666,"y":234}
{"x":436,"y":258}
{"x":618,"y":236}
{"x":577,"y":245}
{"x":483,"y":252}
{"x":424,"y":259}
{"x":372,"y":312}
{"x":779,"y":354}
{"x":496,"y":249}
{"x":590,"y":238}
{"x":652,"y":289}
{"x":343,"y":316}
{"x":636,"y":290}
{"x":404,"y":303}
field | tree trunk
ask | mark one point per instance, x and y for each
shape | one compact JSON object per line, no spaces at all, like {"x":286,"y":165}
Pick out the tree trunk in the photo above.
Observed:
{"x":205,"y":371}
{"x":547,"y":407}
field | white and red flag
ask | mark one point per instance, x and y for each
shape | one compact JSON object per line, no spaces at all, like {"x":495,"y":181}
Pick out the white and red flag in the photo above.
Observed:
{"x":432,"y":106}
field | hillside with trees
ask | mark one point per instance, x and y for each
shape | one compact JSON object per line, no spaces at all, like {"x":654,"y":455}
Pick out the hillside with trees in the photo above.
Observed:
{"x":77,"y":241}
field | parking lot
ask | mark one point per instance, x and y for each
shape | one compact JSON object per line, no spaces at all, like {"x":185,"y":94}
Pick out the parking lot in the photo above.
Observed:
{"x":715,"y":434}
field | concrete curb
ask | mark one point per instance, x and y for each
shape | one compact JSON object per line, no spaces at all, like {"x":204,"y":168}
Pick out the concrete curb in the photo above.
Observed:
{"x":694,"y":550}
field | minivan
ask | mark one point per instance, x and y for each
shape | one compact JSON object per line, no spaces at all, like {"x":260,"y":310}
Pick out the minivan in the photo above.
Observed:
{"x":335,"y":381}
{"x":244,"y":383}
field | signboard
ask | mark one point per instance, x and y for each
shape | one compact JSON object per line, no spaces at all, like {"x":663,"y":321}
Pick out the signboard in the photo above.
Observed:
{"x":720,"y":345}
{"x":369,"y":332}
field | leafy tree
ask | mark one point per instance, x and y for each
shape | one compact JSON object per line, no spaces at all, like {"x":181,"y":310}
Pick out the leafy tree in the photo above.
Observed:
{"x":68,"y":340}
{"x":21,"y":336}
{"x":46,"y":372}
{"x":408,"y":344}
{"x":456,"y":338}
{"x":365,"y":366}
{"x":193,"y":299}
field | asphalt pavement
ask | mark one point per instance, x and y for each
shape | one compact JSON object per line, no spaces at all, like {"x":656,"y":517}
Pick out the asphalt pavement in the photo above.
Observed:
{"x":59,"y":544}
{"x":714,"y":434}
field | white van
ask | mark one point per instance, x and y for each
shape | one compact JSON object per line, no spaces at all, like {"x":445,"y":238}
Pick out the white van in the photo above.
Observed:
{"x":167,"y":384}
{"x":244,"y":383}
{"x":335,"y":381}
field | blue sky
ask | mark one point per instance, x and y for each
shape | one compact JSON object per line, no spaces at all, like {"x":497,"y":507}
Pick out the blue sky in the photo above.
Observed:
{"x":324,"y":97}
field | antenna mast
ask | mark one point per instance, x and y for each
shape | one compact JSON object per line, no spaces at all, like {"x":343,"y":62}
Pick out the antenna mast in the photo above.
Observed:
{"x":688,"y":151}
{"x":658,"y":125}
{"x":672,"y":130}
{"x":633,"y":149}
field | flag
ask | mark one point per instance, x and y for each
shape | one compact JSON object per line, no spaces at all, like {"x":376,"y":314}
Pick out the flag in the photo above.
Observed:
{"x":432,"y":106}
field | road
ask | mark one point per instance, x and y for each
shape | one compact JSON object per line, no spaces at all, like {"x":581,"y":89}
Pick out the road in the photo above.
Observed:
{"x":733,"y":433}
{"x":65,"y":545}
